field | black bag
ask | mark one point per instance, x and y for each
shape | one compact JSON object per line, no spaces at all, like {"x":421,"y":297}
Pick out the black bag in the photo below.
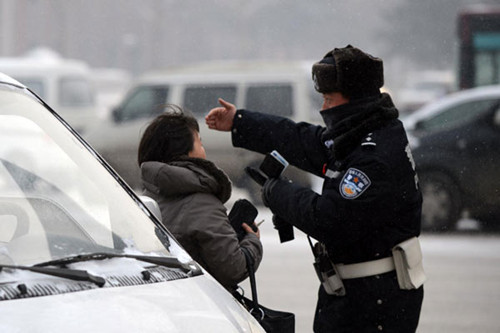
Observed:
{"x":272,"y":321}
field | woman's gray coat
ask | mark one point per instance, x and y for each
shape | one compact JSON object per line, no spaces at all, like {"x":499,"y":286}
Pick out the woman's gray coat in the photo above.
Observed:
{"x":191,"y":194}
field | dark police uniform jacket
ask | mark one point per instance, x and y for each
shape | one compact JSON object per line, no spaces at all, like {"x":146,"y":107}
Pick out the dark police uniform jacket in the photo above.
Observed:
{"x":370,"y":199}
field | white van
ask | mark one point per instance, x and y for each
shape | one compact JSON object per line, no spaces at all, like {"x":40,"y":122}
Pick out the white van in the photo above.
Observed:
{"x":281,"y":88}
{"x":110,"y":85}
{"x":80,"y":252}
{"x":64,"y":84}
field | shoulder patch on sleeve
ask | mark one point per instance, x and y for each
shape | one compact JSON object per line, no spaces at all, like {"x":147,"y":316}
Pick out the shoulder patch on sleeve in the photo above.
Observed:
{"x":354,"y":183}
{"x":368,"y":141}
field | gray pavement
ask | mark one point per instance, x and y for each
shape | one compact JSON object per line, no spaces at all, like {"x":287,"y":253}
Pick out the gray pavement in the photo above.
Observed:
{"x":462,"y":293}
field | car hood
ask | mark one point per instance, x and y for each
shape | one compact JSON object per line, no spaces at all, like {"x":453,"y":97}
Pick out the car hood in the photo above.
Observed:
{"x":195,"y":304}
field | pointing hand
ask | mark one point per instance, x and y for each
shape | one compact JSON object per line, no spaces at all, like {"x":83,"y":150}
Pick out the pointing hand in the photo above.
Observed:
{"x":221,"y":118}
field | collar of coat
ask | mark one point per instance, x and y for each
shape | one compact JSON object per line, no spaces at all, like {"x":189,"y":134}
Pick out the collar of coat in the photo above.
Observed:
{"x":347,"y":124}
{"x":225,"y":186}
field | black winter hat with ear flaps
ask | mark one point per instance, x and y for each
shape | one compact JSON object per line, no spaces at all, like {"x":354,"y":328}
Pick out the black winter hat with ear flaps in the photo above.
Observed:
{"x":350,"y":71}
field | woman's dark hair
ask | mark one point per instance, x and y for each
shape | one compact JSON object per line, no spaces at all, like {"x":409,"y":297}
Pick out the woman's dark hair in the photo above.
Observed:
{"x":168,"y":136}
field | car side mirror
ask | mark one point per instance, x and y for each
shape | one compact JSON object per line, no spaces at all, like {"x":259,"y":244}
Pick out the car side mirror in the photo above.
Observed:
{"x":152,"y":205}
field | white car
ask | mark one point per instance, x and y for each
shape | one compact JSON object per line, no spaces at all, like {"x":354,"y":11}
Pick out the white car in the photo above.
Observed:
{"x":279,"y":88}
{"x":64,"y":84}
{"x":423,"y":88}
{"x":79,"y":251}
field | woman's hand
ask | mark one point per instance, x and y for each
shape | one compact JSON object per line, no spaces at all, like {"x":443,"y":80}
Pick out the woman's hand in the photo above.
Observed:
{"x":221,"y":118}
{"x":249,"y":230}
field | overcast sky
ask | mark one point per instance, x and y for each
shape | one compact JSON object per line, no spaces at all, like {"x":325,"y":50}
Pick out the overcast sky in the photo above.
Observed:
{"x":149,"y":34}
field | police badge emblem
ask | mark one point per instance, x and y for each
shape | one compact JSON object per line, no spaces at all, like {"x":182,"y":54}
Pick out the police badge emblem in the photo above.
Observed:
{"x":354,"y":183}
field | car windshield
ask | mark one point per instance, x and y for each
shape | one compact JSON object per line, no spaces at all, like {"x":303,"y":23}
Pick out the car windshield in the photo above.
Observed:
{"x":57,"y":199}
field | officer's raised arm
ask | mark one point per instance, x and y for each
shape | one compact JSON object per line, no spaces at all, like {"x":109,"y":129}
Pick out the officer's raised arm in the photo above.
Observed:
{"x":221,"y":118}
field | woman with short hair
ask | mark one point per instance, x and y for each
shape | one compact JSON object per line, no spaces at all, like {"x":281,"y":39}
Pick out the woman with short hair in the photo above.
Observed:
{"x":191,"y":192}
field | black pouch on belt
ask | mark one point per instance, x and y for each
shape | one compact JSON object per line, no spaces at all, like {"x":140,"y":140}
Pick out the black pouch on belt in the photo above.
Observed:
{"x":327,"y":272}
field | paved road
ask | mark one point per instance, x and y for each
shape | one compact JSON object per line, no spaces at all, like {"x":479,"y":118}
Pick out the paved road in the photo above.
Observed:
{"x":462,"y":293}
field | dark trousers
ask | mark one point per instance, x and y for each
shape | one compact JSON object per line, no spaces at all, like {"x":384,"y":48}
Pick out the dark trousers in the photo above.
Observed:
{"x":371,"y":304}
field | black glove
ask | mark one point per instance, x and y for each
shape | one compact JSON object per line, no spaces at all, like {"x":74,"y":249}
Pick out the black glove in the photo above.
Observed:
{"x":260,"y":178}
{"x":256,"y":175}
{"x":267,"y":189}
{"x":267,"y":183}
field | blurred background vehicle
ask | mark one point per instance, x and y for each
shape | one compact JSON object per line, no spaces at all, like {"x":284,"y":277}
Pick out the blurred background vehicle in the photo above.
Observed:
{"x":281,"y":88}
{"x":424,"y":87}
{"x":110,"y":86}
{"x":76,"y":241}
{"x":456,"y":147}
{"x":65,"y":84}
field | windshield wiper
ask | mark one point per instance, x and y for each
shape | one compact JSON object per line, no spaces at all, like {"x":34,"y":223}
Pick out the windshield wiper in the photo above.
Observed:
{"x":66,"y":273}
{"x":191,"y":268}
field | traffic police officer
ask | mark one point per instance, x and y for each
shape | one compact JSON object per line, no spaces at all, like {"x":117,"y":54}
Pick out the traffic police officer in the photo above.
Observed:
{"x":370,"y":200}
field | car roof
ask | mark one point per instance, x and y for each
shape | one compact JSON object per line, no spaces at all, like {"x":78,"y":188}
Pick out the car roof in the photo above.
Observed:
{"x":41,"y":60}
{"x":228,"y":70}
{"x":449,"y":100}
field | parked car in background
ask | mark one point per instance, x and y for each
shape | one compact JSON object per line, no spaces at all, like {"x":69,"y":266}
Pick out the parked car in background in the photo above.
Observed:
{"x":79,"y":251}
{"x":281,"y":88}
{"x":64,"y":84}
{"x":110,"y":85}
{"x":456,"y":147}
{"x":422,"y":88}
